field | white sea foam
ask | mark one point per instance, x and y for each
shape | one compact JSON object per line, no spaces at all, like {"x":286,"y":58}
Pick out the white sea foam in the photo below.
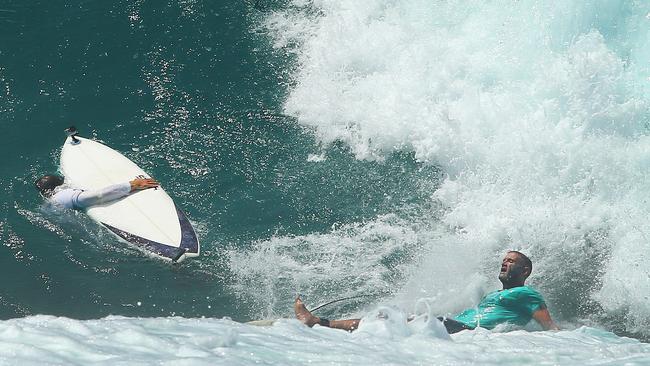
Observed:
{"x":38,"y":340}
{"x":349,"y":259}
{"x":536,"y":111}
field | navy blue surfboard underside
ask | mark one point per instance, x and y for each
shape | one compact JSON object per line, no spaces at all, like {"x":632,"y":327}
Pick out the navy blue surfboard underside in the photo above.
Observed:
{"x":189,"y":242}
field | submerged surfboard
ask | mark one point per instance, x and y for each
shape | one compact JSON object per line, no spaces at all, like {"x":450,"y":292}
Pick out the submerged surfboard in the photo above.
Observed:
{"x":148,"y":219}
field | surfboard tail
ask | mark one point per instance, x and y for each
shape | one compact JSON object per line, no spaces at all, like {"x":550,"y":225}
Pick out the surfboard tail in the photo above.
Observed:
{"x":189,"y":244}
{"x":189,"y":241}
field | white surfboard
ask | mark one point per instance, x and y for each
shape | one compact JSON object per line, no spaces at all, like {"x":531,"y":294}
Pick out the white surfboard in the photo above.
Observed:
{"x":148,"y":219}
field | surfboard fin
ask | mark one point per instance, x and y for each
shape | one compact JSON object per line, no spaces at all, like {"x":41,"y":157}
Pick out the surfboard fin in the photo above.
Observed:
{"x":72,"y":132}
{"x":178,"y":255}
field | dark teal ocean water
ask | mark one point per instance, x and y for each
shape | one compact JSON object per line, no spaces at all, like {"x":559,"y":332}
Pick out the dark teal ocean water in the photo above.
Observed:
{"x":193,"y":92}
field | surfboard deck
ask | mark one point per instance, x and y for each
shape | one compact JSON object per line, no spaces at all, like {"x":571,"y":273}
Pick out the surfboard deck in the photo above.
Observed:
{"x":148,"y":219}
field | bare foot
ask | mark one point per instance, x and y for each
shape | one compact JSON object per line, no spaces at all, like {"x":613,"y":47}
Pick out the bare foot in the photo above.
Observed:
{"x":303,"y":314}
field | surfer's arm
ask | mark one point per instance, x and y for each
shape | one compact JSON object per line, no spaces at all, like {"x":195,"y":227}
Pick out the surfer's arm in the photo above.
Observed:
{"x":112,"y":193}
{"x":543,"y":317}
{"x":101,"y":196}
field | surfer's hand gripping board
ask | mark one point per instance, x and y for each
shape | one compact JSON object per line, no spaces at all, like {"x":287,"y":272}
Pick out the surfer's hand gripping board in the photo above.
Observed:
{"x":140,"y":184}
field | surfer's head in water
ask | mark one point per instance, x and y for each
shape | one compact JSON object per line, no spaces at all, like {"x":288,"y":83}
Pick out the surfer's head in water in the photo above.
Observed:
{"x":47,"y":183}
{"x":515,"y":269}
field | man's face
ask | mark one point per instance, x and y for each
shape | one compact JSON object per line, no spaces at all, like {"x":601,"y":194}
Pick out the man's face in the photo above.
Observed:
{"x":512,"y":268}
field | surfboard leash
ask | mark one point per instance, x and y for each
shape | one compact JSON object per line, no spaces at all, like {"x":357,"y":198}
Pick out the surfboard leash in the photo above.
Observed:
{"x":339,"y":300}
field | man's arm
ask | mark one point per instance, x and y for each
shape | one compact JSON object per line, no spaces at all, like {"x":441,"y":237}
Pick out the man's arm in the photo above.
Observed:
{"x":111,"y":193}
{"x":543,"y":317}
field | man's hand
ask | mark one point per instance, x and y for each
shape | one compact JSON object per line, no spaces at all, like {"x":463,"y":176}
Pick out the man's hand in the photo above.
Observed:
{"x":140,"y":184}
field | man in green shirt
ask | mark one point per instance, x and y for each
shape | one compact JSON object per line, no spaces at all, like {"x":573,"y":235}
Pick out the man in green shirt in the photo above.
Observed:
{"x":515,"y":304}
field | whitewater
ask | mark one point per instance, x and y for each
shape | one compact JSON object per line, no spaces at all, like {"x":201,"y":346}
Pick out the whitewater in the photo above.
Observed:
{"x":177,"y":341}
{"x":528,"y":122}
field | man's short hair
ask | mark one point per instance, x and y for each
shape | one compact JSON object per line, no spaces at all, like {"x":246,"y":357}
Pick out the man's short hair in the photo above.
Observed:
{"x":527,"y":262}
{"x":47,"y":183}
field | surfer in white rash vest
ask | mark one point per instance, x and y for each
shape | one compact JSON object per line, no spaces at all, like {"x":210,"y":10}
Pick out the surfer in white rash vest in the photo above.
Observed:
{"x":52,"y":188}
{"x":516,"y":304}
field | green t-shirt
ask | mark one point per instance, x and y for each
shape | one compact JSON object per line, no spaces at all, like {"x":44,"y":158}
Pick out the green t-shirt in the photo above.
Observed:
{"x":515,"y":305}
